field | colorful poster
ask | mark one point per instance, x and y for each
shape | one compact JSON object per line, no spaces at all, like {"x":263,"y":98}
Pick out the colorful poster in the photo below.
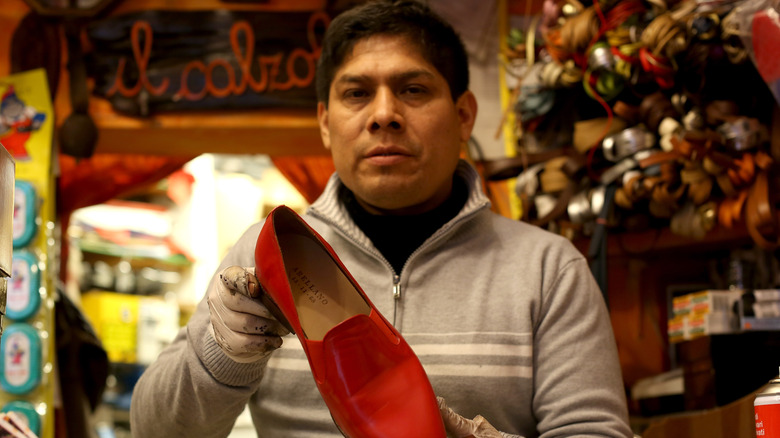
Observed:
{"x":27,"y":122}
{"x":27,"y":132}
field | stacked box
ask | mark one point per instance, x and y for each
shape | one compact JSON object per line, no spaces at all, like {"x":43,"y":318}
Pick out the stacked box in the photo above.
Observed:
{"x":703,"y":313}
{"x":676,"y":328}
{"x":761,"y":310}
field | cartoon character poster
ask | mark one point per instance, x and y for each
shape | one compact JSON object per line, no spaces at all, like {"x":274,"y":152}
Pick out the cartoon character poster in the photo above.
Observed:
{"x":27,"y":120}
{"x":18,"y":121}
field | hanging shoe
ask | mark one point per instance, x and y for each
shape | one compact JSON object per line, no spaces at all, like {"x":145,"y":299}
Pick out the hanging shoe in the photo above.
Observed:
{"x":369,"y":377}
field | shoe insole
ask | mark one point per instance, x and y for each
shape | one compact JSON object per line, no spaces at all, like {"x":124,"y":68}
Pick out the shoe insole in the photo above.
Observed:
{"x":322,"y":293}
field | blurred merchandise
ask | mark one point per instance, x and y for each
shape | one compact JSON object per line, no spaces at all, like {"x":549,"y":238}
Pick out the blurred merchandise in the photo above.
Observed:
{"x":660,"y":394}
{"x":127,"y":229}
{"x":133,"y":328}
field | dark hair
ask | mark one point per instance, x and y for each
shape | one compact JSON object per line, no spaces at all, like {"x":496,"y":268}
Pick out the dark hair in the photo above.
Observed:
{"x":438,"y":42}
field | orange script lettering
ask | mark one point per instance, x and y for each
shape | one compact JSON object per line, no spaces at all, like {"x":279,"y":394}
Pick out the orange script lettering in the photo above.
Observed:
{"x":270,"y":66}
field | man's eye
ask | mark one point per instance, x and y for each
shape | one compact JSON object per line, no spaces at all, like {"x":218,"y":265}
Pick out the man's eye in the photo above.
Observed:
{"x":414,"y":90}
{"x":355,"y":94}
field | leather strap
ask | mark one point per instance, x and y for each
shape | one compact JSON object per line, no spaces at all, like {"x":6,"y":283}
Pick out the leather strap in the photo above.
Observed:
{"x":744,"y":172}
{"x":573,"y":167}
{"x":597,"y":251}
{"x":560,"y":206}
{"x":711,"y":166}
{"x":588,"y":133}
{"x":730,"y":209}
{"x":623,"y":200}
{"x":698,"y":181}
{"x":629,"y":113}
{"x":724,"y":182}
{"x":742,"y":133}
{"x":717,"y":111}
{"x":693,"y":221}
{"x":659,"y":158}
{"x":627,"y":142}
{"x":664,"y":199}
{"x":509,"y":167}
{"x":631,"y":191}
{"x":700,"y":146}
{"x":553,"y":181}
{"x":761,"y":216}
{"x":527,"y":183}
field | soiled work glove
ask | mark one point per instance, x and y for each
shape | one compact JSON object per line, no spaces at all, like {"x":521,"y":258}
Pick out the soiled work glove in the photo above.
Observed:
{"x":460,"y":427}
{"x":241,"y":325}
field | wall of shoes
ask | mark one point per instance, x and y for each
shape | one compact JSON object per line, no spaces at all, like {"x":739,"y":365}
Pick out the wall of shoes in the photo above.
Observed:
{"x":649,"y":134}
{"x":671,"y":105}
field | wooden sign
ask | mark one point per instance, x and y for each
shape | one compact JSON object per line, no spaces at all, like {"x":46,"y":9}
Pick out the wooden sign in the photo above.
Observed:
{"x":155,"y":61}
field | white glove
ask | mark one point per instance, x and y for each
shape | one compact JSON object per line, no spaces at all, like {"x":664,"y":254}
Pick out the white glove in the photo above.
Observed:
{"x":244,"y":328}
{"x":460,"y":427}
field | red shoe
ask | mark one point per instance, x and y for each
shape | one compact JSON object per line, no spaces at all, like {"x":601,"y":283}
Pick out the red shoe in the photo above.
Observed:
{"x":371,"y":380}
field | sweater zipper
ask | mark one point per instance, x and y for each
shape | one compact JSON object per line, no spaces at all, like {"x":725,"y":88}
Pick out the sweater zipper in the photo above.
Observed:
{"x":396,"y":295}
{"x":378,"y":255}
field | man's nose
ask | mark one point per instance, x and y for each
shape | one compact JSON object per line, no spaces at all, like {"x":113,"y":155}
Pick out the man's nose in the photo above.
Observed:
{"x":386,"y":112}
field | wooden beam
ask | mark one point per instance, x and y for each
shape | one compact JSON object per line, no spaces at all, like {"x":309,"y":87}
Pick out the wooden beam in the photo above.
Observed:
{"x":275,"y":132}
{"x":126,"y":6}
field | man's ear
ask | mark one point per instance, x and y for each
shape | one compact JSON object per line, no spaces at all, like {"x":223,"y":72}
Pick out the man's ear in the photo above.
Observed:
{"x":466,"y":105}
{"x":322,"y":118}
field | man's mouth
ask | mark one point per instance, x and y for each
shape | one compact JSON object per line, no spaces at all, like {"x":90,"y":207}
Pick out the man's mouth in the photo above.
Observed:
{"x":385,"y":156}
{"x":388,"y":151}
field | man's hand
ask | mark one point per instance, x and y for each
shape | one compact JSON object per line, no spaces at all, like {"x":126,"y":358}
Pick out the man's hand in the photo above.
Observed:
{"x":241,"y":325}
{"x":460,"y":427}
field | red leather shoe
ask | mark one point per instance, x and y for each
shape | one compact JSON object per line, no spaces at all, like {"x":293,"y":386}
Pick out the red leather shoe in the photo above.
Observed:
{"x":369,"y":377}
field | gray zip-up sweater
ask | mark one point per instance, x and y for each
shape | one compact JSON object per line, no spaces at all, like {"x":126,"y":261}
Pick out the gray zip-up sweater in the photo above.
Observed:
{"x":505,"y":318}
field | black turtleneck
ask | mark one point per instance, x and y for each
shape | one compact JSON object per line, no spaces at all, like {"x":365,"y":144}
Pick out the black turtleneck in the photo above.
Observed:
{"x":397,"y":237}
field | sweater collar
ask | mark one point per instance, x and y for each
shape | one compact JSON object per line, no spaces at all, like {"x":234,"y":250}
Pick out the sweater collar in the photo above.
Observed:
{"x":329,"y":208}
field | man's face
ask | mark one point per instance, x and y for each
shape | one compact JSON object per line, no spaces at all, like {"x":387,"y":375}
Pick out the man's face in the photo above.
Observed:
{"x":392,"y":127}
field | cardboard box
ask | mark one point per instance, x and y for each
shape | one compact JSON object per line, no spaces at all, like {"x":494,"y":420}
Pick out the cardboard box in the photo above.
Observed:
{"x":703,"y":313}
{"x":681,"y":305}
{"x":7,"y":176}
{"x":735,"y":420}
{"x":676,"y":328}
{"x":710,"y":324}
{"x":714,"y":301}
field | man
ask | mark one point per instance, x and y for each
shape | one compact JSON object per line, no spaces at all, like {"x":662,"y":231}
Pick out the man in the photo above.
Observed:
{"x":506,"y":318}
